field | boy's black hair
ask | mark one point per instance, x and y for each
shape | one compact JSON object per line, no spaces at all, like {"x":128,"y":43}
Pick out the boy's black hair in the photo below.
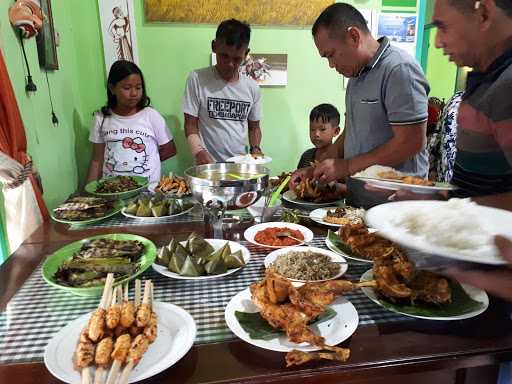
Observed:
{"x":234,"y":32}
{"x":119,"y":71}
{"x":327,"y":113}
{"x":338,"y":17}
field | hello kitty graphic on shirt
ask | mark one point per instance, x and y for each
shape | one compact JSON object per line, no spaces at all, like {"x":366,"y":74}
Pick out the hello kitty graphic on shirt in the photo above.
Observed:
{"x":127,"y":156}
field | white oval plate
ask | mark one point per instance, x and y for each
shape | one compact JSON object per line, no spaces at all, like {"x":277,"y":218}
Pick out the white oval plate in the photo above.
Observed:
{"x":154,"y":219}
{"x":394,"y":185}
{"x":382,"y":218}
{"x":291,"y":197}
{"x":216,"y":244}
{"x":176,"y":334}
{"x":338,"y":251}
{"x":248,"y":159}
{"x":272,"y":256}
{"x":252,"y":231}
{"x":318,"y":215}
{"x":335,"y":330}
{"x":475,"y":293}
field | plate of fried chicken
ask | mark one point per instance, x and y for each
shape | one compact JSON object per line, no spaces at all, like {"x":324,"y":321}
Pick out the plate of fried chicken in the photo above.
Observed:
{"x":291,"y":309}
{"x":402,"y":288}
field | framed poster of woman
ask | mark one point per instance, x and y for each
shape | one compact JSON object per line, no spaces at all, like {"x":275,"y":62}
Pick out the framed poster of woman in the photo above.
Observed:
{"x":46,"y":42}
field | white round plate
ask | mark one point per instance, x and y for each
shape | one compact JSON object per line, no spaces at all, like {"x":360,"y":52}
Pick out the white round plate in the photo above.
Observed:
{"x":216,"y":244}
{"x":338,"y":251}
{"x":394,"y":185}
{"x":154,"y":219}
{"x":272,"y":256}
{"x":176,"y":334}
{"x":251,"y":232}
{"x":384,"y":216}
{"x":475,"y":293}
{"x":318,"y":215}
{"x":248,"y":159}
{"x":291,"y":197}
{"x":335,"y":330}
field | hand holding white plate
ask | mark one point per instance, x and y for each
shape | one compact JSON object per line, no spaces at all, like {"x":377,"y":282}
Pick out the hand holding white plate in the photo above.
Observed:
{"x":444,"y":237}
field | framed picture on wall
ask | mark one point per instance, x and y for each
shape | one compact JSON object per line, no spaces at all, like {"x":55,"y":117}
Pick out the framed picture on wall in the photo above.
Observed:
{"x":46,"y":42}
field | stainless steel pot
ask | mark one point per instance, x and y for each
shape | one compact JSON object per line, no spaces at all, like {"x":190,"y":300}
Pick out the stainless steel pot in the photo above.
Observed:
{"x":218,"y":195}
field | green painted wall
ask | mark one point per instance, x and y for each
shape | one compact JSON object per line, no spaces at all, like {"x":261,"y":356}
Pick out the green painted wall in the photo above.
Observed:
{"x":52,"y":148}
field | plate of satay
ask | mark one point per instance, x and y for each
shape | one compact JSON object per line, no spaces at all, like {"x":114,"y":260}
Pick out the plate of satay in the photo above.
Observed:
{"x":274,"y":314}
{"x":122,"y":341}
{"x":391,"y":179}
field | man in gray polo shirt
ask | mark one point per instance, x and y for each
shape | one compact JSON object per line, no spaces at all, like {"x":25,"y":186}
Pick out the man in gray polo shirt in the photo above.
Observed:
{"x":386,"y":99}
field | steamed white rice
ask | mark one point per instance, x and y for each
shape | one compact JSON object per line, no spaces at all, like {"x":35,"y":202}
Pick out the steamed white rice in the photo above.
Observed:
{"x":374,"y":170}
{"x":455,"y":224}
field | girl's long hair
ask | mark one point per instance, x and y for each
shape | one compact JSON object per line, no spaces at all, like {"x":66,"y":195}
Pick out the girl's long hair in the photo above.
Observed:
{"x":120,"y":70}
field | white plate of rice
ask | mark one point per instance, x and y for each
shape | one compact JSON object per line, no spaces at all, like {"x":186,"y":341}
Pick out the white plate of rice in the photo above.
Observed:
{"x":306,"y":264}
{"x":458,"y":229}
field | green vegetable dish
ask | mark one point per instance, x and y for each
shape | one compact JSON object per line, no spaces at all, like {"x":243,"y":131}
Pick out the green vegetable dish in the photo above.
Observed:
{"x":197,"y":257}
{"x":81,"y":267}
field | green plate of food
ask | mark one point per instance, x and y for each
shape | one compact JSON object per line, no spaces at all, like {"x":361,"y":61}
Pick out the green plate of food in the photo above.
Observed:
{"x":81,"y":267}
{"x":85,"y":210}
{"x":119,"y":187}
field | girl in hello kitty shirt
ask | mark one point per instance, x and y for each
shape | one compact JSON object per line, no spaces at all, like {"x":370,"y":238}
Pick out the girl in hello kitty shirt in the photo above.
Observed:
{"x":129,"y":137}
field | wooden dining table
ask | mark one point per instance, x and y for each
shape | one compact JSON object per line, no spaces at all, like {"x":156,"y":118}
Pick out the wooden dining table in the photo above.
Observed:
{"x":462,"y":351}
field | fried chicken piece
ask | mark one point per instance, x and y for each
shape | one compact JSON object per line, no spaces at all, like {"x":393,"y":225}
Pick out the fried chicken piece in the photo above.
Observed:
{"x":121,"y":347}
{"x":103,"y":352}
{"x":414,"y":180}
{"x":430,"y":287}
{"x":96,"y":327}
{"x":296,"y":357}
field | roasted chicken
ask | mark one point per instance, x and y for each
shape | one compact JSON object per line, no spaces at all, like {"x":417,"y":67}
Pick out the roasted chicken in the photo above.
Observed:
{"x":290,"y":309}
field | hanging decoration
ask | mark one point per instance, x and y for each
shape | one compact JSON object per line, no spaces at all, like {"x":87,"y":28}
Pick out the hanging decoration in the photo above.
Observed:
{"x":118,"y":30}
{"x":26,"y":15}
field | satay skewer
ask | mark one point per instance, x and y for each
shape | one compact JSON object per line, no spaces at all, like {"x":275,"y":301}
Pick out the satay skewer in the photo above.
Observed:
{"x":84,"y":354}
{"x":119,"y":354}
{"x":102,"y":358}
{"x":113,"y":315}
{"x":127,"y":310}
{"x":141,"y":342}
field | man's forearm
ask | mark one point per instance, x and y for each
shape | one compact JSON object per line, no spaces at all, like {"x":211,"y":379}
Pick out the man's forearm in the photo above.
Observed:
{"x":254,"y":134}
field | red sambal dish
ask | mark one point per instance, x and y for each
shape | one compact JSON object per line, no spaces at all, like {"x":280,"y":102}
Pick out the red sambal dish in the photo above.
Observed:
{"x":268,"y":236}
